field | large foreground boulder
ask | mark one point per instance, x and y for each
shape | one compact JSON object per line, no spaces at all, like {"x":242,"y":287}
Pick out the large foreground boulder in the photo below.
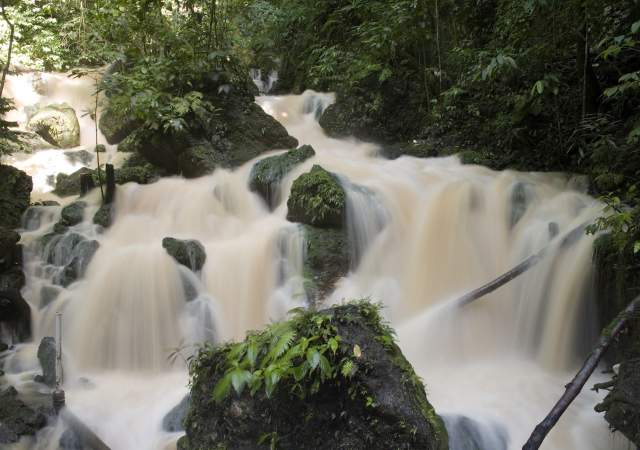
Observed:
{"x":317,"y":199}
{"x":332,"y":379}
{"x":25,"y":142}
{"x":16,"y":418}
{"x":15,"y":192}
{"x":267,"y":174}
{"x":57,"y":124}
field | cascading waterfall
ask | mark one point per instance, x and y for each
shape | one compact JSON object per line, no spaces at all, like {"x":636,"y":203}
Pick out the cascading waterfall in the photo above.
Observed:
{"x":423,"y":231}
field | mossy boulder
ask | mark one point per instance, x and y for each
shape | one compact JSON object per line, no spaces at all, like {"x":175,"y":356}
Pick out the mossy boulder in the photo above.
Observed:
{"x":267,"y":174}
{"x":330,"y":379}
{"x":104,"y":216}
{"x":115,"y":126}
{"x":67,"y":185}
{"x":326,"y":260}
{"x":15,"y":193}
{"x":317,"y":199}
{"x":189,"y":253}
{"x":25,"y":142}
{"x":71,"y":215}
{"x":132,"y":143}
{"x":57,"y":124}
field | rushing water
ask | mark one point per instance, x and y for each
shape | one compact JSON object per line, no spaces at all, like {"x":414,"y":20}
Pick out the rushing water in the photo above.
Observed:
{"x":423,"y":231}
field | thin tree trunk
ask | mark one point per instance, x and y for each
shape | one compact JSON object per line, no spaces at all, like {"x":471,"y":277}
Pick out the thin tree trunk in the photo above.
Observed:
{"x":5,"y":69}
{"x":518,"y":270}
{"x":576,"y":385}
{"x":438,"y":45}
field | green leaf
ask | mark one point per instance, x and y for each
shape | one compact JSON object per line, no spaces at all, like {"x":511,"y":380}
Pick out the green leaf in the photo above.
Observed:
{"x":313,"y":358}
{"x":333,"y":345}
{"x":636,"y":247}
{"x":635,"y":27}
{"x":239,"y":379}
{"x":252,"y":353}
{"x":222,"y":388}
{"x":325,"y":366}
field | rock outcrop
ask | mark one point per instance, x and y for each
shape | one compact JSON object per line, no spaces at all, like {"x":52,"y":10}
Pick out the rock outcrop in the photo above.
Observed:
{"x":331,"y":379}
{"x":15,"y":192}
{"x":267,"y":174}
{"x":317,"y":199}
{"x":57,"y":124}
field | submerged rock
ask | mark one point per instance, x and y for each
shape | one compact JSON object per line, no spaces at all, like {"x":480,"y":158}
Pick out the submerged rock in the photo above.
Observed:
{"x":317,"y":199}
{"x":326,"y":260}
{"x":174,"y":419}
{"x":267,"y":174}
{"x":16,"y":418}
{"x":83,"y":254}
{"x":346,"y":385}
{"x":189,"y":253}
{"x":15,"y":192}
{"x":57,"y":124}
{"x":47,"y":359}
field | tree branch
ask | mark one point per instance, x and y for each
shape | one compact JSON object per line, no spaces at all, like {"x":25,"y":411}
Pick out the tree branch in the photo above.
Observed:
{"x":11,"y":32}
{"x":574,"y":388}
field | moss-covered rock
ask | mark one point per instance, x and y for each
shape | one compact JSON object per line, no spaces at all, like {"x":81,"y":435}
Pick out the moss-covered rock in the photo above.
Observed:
{"x":332,"y":379}
{"x":25,"y":142}
{"x":115,"y":127}
{"x":15,"y":192}
{"x":132,"y":143}
{"x":57,"y":124}
{"x":71,"y":215}
{"x":67,"y":185}
{"x":104,"y":216}
{"x":267,"y":174}
{"x":317,"y":199}
{"x":189,"y":253}
{"x":326,"y":260}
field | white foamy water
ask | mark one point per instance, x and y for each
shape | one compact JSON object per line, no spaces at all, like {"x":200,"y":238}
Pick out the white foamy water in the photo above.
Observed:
{"x":423,"y":231}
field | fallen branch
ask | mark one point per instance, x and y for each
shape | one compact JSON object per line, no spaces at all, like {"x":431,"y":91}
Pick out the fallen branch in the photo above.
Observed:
{"x":575,"y":386}
{"x":518,"y":270}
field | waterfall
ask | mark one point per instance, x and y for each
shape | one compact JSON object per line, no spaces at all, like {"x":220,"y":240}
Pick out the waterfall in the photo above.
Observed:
{"x":421,"y":232}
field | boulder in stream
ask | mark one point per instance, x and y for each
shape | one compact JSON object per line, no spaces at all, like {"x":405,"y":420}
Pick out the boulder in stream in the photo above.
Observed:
{"x":67,"y":185}
{"x":116,"y":127}
{"x":317,"y":199}
{"x":329,"y":379}
{"x":267,"y":174}
{"x":57,"y":124}
{"x":16,"y":418}
{"x":47,"y":359}
{"x":189,"y":253}
{"x":15,"y":314}
{"x":71,"y":215}
{"x":326,"y":260}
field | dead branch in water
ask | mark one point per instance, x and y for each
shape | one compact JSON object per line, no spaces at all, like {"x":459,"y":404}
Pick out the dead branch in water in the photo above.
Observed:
{"x":575,"y":386}
{"x":518,"y":270}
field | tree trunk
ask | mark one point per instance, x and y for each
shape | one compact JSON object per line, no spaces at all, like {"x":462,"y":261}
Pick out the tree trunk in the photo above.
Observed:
{"x":590,"y":87}
{"x":5,"y":69}
{"x":574,"y":388}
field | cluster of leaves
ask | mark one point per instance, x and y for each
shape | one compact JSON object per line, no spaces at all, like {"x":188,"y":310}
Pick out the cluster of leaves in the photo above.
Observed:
{"x":7,"y":135}
{"x":621,"y":221}
{"x":301,"y":353}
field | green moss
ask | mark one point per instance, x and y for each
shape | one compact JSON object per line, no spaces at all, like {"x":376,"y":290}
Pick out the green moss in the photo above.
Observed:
{"x":317,"y":199}
{"x":267,"y":174}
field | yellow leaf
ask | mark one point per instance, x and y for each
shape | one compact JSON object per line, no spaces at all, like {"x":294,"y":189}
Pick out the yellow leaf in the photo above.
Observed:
{"x":357,"y":352}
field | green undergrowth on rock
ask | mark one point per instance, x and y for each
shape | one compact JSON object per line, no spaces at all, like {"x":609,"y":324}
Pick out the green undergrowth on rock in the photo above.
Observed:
{"x":322,"y":379}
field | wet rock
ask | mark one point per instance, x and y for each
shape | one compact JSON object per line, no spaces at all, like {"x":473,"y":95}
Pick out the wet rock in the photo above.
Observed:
{"x":104,"y":216}
{"x":79,"y":156}
{"x":10,"y":251}
{"x":172,"y":422}
{"x":83,"y":254}
{"x":15,"y":314}
{"x":69,"y":440}
{"x":67,"y":185}
{"x":326,"y":260}
{"x":57,"y":124}
{"x":48,"y":294}
{"x":15,"y":192}
{"x":47,"y":359}
{"x":26,"y":142}
{"x":16,"y":418}
{"x":131,"y":144}
{"x":189,"y":253}
{"x":317,"y":199}
{"x":622,"y":404}
{"x":71,"y":215}
{"x":379,"y":404}
{"x":520,"y":198}
{"x":116,"y":127}
{"x":267,"y":174}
